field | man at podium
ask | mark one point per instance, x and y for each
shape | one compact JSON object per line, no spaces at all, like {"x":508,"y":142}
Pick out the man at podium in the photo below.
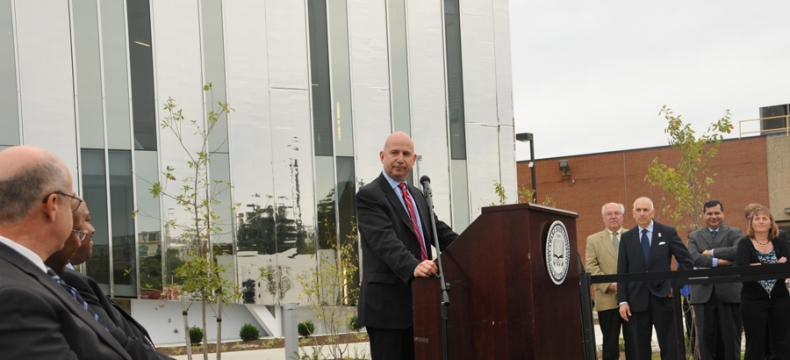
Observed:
{"x":396,"y":237}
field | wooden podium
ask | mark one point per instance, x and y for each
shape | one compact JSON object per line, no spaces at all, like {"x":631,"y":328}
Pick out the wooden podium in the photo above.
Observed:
{"x":503,"y":303}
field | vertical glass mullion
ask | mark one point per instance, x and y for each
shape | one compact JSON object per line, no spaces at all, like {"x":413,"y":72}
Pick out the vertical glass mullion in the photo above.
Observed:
{"x":9,"y":97}
{"x":455,"y":81}
{"x":399,"y":65}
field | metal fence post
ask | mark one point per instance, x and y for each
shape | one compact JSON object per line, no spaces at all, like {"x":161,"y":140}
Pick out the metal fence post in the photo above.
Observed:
{"x":290,"y":331}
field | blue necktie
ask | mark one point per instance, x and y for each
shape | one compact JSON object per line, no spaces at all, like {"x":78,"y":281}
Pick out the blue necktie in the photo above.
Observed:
{"x":713,"y":233}
{"x":73,"y":292}
{"x":645,"y":244}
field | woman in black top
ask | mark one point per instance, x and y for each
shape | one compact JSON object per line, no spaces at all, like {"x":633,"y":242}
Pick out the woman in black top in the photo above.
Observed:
{"x":765,"y":304}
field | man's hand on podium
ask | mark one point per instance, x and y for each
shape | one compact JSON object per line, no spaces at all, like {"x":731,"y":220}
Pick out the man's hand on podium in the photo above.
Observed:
{"x":426,"y":269}
{"x":625,"y":311}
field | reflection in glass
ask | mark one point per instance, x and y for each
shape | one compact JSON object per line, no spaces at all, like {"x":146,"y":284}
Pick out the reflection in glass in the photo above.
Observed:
{"x":341,"y":78}
{"x":94,"y":192}
{"x":214,"y":70}
{"x":455,"y":79}
{"x":149,"y":236}
{"x":124,"y":262}
{"x":142,"y":74}
{"x":116,"y":80}
{"x":460,"y":196}
{"x":9,"y":102}
{"x":88,"y":75}
{"x":319,"y":72}
{"x":220,"y":171}
{"x":399,"y":65}
{"x":347,"y":211}
{"x":325,"y":189}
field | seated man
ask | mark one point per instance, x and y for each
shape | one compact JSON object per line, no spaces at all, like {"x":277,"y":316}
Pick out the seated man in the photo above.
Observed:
{"x":78,"y":249}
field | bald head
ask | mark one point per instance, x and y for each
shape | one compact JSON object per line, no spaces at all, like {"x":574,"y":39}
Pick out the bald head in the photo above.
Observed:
{"x":27,"y":173}
{"x":398,"y":156}
{"x":643,"y":211}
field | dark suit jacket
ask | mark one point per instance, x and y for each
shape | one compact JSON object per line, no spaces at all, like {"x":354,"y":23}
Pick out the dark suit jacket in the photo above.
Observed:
{"x":663,"y":245}
{"x":747,"y":254}
{"x":390,"y":253}
{"x":132,"y":336}
{"x":40,"y":320}
{"x":725,"y":246}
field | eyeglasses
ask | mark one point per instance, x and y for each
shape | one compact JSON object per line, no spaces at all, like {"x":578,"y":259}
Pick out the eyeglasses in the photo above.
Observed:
{"x":82,"y":234}
{"x":75,"y":201}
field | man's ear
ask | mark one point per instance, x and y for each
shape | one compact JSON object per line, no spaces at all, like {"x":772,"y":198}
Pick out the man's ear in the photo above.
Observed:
{"x":51,"y":207}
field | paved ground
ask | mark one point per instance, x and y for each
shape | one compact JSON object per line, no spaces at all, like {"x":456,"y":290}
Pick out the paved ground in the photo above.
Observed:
{"x":356,"y":348}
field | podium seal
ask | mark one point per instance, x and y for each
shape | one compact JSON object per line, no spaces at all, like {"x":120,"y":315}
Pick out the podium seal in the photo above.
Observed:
{"x":558,"y":252}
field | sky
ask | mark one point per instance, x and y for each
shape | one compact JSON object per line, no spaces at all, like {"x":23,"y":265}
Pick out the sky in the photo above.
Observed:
{"x":592,"y":76}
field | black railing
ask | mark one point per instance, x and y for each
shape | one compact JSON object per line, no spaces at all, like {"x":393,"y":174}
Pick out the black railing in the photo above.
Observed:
{"x":677,"y":279}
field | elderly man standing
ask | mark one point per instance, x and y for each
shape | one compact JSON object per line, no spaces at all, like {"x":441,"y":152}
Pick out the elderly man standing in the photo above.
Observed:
{"x":40,"y":320}
{"x":646,"y":248}
{"x":716,"y":306}
{"x":601,"y":259}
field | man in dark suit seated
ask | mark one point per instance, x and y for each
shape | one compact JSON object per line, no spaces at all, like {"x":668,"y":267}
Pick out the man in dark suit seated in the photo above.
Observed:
{"x":396,"y":237}
{"x":716,"y":306}
{"x":78,"y":249}
{"x":648,"y":247}
{"x":39,"y":319}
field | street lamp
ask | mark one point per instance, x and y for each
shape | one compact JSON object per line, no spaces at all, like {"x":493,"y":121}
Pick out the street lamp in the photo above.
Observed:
{"x":521,"y":137}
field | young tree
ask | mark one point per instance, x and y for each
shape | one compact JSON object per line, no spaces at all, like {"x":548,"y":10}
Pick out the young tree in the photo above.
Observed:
{"x":200,"y":274}
{"x":687,"y":182}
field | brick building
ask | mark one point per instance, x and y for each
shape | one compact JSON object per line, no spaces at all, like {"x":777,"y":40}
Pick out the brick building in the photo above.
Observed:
{"x":748,"y":170}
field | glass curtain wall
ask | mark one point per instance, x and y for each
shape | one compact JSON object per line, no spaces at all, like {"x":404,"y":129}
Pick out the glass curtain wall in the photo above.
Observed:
{"x":9,"y":100}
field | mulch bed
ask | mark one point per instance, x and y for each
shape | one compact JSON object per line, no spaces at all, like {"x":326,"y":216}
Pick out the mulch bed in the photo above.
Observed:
{"x":260,"y":344}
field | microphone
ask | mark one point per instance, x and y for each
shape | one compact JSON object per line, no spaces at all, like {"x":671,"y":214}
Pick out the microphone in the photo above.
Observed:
{"x":425,"y":179}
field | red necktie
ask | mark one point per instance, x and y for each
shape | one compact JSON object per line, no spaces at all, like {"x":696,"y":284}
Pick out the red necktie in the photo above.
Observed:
{"x":413,"y":216}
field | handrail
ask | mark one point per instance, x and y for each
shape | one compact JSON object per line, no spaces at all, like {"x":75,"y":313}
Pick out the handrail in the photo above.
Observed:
{"x":761,"y":131}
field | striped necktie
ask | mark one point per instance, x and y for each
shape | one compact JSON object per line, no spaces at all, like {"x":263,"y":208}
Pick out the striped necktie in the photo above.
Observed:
{"x":73,"y":293}
{"x":413,"y":216}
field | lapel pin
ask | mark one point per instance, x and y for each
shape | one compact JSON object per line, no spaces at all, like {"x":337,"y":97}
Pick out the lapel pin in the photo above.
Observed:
{"x":659,"y":234}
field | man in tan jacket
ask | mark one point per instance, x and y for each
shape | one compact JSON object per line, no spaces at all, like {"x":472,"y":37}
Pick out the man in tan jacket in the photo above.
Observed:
{"x":601,"y":259}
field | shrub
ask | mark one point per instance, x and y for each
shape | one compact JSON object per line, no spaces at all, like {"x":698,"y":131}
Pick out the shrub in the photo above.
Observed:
{"x":353,"y":323}
{"x":195,"y":335}
{"x":306,"y":328}
{"x":249,"y":332}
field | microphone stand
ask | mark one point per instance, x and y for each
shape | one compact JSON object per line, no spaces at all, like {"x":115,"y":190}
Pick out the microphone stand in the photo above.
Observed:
{"x":445,"y":287}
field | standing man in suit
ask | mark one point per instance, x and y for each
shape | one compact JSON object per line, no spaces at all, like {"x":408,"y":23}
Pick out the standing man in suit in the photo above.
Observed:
{"x":396,"y":238}
{"x":716,"y":306}
{"x":601,"y":256}
{"x":649,"y":247}
{"x":40,"y":320}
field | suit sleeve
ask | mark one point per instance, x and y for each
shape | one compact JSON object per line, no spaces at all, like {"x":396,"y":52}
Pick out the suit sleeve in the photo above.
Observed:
{"x":681,"y":252}
{"x":693,"y":248}
{"x":377,"y":231}
{"x":592,"y":265}
{"x":729,"y":252}
{"x":40,"y":338}
{"x":445,"y":233}
{"x":744,"y":253}
{"x":622,"y":268}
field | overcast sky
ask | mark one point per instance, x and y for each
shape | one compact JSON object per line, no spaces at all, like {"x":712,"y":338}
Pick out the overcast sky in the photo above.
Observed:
{"x":591,"y":76}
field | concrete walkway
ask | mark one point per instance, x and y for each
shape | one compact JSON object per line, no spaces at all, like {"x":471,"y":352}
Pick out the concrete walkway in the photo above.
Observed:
{"x":359,"y":349}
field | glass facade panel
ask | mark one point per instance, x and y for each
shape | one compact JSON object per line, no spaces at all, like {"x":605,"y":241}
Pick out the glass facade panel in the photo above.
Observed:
{"x":141,"y":68}
{"x":341,"y":78}
{"x":347,"y":211}
{"x":116,"y":74}
{"x":220,"y":171}
{"x":214,"y":70}
{"x":482,"y":166}
{"x":94,"y":191}
{"x":326,"y":208}
{"x":319,"y":73}
{"x":149,"y":227}
{"x":9,"y":100}
{"x":455,"y":79}
{"x":88,"y":72}
{"x":460,"y":196}
{"x":399,"y":65}
{"x":293,"y":187}
{"x":124,"y":259}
